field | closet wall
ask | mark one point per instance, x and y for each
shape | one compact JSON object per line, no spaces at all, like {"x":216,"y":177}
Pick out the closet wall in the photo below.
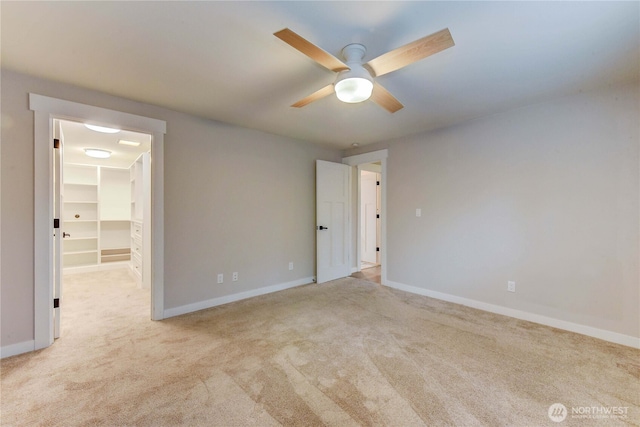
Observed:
{"x":96,"y":216}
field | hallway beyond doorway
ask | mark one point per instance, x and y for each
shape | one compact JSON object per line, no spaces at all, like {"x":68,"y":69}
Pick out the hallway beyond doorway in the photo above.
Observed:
{"x":371,"y":274}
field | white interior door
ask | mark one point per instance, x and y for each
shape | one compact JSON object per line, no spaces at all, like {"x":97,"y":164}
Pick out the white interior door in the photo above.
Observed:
{"x":58,"y":233}
{"x":332,"y":220}
{"x":368,"y":216}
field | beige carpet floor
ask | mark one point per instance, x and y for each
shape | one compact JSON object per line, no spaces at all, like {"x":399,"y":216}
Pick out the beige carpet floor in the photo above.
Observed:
{"x":345,"y":353}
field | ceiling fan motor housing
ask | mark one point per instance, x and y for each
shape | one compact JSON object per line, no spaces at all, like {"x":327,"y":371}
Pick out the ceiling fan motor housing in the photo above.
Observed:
{"x":356,"y":84}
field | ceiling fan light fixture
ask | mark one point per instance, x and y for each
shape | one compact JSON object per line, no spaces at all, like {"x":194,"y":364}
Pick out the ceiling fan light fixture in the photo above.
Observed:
{"x":97,"y":153}
{"x":355,"y":84}
{"x":353,"y":89}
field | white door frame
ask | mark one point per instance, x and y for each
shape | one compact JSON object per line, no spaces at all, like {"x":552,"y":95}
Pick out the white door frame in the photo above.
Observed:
{"x":58,"y":200}
{"x":45,"y":110}
{"x":360,"y":159}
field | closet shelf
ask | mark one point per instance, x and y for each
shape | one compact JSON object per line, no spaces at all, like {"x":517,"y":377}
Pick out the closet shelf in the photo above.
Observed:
{"x":94,"y":251}
{"x":80,"y":238}
{"x":83,"y":184}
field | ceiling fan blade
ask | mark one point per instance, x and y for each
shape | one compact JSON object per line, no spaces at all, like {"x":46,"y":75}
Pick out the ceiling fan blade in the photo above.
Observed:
{"x":325,"y":91}
{"x":312,"y":51}
{"x":383,"y":98}
{"x":412,"y":52}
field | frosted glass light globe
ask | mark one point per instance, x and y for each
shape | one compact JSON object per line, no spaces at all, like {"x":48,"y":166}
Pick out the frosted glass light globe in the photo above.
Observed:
{"x":354,"y":89}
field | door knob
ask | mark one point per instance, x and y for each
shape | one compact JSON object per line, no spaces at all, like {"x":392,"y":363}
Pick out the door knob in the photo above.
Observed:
{"x":322,"y":227}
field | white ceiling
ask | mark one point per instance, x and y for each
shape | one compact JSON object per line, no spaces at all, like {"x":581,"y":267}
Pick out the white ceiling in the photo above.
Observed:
{"x":77,"y":137}
{"x":219,"y":60}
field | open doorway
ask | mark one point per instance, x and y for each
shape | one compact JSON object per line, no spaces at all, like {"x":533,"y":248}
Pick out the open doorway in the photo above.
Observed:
{"x":368,"y":240}
{"x":369,"y":225}
{"x":370,"y":206}
{"x":102,"y":198}
{"x":46,"y":111}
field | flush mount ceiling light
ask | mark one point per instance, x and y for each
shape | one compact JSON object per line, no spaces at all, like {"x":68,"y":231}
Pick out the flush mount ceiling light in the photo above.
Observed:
{"x":97,"y":153}
{"x":102,"y":129}
{"x":130,"y":143}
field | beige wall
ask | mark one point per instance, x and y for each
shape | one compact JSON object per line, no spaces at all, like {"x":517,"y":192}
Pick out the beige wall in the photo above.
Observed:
{"x":546,"y":196}
{"x":241,"y":201}
{"x":235,"y":200}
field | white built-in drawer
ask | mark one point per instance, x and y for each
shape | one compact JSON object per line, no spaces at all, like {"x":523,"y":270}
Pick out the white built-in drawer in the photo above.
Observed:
{"x":137,"y":270}
{"x":136,"y":263}
{"x":136,"y":247}
{"x":136,"y":229}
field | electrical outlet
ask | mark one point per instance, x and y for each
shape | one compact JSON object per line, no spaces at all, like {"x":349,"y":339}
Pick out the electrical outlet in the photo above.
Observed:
{"x":418,"y":212}
{"x":511,"y":286}
{"x":291,"y":265}
{"x":235,"y":276}
{"x":220,"y":278}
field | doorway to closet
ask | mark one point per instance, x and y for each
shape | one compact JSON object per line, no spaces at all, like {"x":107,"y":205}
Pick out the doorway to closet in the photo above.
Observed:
{"x":45,"y":111}
{"x":102,"y":189}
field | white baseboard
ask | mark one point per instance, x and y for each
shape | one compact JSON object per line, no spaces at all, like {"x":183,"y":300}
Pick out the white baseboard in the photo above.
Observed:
{"x":602,"y":334}
{"x":201,"y":305}
{"x":17,"y":348}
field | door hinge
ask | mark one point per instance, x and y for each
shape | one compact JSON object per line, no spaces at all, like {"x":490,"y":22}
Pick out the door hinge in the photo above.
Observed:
{"x":377,"y":249}
{"x":56,"y":143}
{"x":56,"y":302}
{"x":56,"y":222}
{"x":377,"y":182}
{"x":377,"y":216}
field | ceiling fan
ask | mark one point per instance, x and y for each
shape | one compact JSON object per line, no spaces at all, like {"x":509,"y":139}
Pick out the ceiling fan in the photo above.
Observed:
{"x":355,"y":80}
